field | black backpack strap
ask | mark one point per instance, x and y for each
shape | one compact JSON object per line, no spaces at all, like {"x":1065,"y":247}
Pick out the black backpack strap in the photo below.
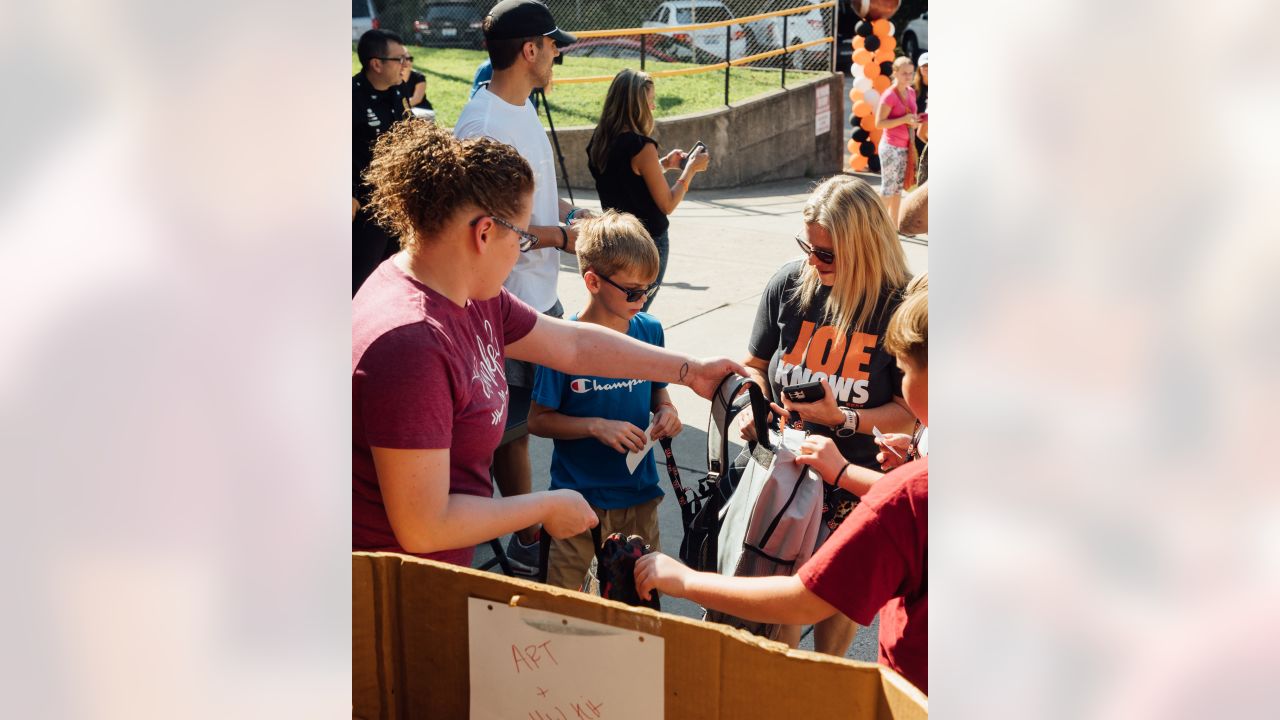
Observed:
{"x":723,"y":411}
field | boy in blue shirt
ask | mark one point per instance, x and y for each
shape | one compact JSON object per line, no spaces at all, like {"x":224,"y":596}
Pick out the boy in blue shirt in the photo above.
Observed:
{"x":596,"y":421}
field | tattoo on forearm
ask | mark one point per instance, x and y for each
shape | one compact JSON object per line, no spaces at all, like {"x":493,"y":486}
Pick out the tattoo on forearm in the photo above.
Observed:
{"x":684,"y":370}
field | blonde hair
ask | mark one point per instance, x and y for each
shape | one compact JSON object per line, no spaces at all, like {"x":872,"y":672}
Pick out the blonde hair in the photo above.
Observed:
{"x":615,"y":242}
{"x":869,"y":258}
{"x":908,"y":333}
{"x":421,"y":175}
{"x":626,"y":109}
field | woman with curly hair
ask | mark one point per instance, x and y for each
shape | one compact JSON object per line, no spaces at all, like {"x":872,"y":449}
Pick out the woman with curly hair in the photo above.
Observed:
{"x":430,"y":330}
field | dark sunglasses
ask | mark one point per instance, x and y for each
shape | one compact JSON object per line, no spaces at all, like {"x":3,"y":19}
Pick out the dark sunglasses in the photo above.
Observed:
{"x":632,"y":295}
{"x":527,"y":239}
{"x":825,"y":256}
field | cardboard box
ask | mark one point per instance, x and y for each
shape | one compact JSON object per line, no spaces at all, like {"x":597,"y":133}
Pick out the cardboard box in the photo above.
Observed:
{"x":409,"y":652}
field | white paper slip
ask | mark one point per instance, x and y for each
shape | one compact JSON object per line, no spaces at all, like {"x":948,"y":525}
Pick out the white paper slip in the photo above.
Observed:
{"x":634,"y":458}
{"x":545,"y":666}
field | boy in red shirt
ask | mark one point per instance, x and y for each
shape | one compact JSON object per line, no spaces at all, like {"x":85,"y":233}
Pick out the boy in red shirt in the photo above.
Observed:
{"x":876,"y":561}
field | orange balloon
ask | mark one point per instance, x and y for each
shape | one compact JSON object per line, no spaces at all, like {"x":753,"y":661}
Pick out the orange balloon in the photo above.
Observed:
{"x":882,"y":28}
{"x":862,"y":108}
{"x":880,"y":83}
{"x":858,"y":162}
{"x":855,"y":95}
{"x":883,"y":55}
{"x":875,"y":135}
{"x":888,"y":42}
{"x":859,"y":42}
{"x":872,"y":71}
{"x":867,"y":122}
{"x":862,"y":57}
{"x":852,"y":145}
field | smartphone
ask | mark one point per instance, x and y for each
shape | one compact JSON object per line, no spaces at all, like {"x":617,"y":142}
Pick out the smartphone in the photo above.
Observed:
{"x":692,"y":150}
{"x":805,"y":392}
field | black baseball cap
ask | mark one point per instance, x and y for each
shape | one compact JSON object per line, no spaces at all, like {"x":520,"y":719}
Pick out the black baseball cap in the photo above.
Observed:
{"x":514,"y":19}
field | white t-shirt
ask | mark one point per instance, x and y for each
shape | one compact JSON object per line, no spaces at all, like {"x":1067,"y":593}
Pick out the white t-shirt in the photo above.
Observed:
{"x":533,"y":279}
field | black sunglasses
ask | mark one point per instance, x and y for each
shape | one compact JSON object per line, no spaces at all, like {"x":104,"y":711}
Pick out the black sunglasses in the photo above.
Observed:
{"x":632,"y":295}
{"x":825,"y":256}
{"x":527,"y":239}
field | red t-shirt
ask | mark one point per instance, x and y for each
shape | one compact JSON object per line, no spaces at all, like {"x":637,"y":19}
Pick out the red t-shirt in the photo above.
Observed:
{"x":878,"y":560}
{"x":426,"y":374}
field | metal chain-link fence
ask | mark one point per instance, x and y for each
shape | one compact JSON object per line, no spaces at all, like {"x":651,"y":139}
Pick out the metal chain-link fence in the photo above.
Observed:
{"x":457,"y":24}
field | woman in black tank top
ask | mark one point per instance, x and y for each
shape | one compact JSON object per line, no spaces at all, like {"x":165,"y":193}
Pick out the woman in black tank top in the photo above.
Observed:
{"x":624,"y":161}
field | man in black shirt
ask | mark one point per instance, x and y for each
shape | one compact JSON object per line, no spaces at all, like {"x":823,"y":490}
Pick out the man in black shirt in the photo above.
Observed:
{"x":376,"y":103}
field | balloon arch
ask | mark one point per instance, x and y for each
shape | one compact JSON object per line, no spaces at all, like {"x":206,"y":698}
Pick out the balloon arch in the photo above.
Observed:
{"x":873,"y":46}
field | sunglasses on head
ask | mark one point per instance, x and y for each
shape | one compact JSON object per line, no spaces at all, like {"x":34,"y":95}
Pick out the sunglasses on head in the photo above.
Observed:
{"x":825,"y":256}
{"x":632,"y":295}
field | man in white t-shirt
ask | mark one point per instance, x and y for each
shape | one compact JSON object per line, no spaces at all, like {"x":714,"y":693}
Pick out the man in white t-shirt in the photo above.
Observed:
{"x":523,"y":42}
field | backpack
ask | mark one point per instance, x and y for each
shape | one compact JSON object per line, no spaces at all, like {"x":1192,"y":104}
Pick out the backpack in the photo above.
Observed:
{"x":701,"y":509}
{"x":771,"y":523}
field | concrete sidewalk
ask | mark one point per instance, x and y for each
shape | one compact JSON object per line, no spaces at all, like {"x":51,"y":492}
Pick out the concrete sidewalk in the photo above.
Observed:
{"x":725,"y":245}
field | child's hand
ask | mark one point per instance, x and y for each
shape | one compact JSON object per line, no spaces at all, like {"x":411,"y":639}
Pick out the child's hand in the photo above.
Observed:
{"x":821,"y":454}
{"x":619,"y":435}
{"x":666,"y":423}
{"x":897,"y":441}
{"x":657,"y":571}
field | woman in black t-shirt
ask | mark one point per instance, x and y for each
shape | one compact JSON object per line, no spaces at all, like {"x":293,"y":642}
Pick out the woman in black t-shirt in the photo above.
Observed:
{"x":413,"y":86}
{"x":823,"y":319}
{"x":624,"y":161}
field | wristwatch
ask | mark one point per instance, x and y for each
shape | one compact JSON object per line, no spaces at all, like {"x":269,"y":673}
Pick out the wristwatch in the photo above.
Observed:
{"x":850,"y":425}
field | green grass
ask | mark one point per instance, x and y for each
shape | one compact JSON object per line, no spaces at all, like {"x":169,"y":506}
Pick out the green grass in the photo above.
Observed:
{"x":449,"y":72}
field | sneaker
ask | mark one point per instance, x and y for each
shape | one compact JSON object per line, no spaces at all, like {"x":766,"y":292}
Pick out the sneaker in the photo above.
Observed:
{"x":524,"y":559}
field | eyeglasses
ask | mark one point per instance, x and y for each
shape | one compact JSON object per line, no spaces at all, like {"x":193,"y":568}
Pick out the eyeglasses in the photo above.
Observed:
{"x":632,"y":295}
{"x":527,"y":239}
{"x":825,"y":256}
{"x":403,"y":60}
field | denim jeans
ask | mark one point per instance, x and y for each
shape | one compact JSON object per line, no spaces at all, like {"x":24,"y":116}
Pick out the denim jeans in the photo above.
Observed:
{"x":663,"y":251}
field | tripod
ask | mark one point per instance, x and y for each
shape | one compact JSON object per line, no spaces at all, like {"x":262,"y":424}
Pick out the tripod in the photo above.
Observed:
{"x":555,"y":141}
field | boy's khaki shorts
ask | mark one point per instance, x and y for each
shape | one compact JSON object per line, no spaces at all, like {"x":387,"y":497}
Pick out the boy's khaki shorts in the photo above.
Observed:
{"x":569,"y":559}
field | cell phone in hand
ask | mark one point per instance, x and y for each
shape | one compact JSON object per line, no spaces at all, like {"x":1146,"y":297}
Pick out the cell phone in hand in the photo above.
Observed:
{"x":692,"y":150}
{"x":923,"y":117}
{"x":805,"y":392}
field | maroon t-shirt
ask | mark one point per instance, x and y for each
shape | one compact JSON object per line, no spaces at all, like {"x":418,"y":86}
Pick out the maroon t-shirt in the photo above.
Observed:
{"x":426,"y":374}
{"x":878,"y":560}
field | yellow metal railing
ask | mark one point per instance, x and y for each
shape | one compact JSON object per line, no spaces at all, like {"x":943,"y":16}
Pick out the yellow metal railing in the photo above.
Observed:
{"x":733,"y":62}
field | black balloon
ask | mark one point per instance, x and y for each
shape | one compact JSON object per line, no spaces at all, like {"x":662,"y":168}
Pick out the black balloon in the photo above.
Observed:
{"x":886,"y":69}
{"x":863,"y":28}
{"x":873,"y":163}
{"x":872,"y":43}
{"x":860,"y":134}
{"x":866,"y":148}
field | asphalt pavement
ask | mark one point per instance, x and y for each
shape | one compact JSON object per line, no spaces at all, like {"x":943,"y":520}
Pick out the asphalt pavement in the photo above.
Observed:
{"x":725,"y":245}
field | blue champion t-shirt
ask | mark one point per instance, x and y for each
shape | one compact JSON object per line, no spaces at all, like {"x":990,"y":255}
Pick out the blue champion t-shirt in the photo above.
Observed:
{"x":587,"y":465}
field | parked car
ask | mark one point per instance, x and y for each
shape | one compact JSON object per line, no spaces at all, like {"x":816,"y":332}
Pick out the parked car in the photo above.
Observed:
{"x":451,"y":24}
{"x":623,"y":48}
{"x":363,"y":18}
{"x":915,"y":37}
{"x":764,"y":35}
{"x":703,"y":45}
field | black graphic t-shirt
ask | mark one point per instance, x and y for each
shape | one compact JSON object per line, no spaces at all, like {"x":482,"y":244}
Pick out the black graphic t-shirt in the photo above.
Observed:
{"x":803,"y":347}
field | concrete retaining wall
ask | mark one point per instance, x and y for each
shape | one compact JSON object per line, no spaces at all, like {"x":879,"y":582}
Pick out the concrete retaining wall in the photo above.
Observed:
{"x":770,"y":137}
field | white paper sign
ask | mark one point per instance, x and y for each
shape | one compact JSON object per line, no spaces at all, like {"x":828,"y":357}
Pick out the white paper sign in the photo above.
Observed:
{"x":634,"y":458}
{"x":822,"y":112}
{"x":535,"y":665}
